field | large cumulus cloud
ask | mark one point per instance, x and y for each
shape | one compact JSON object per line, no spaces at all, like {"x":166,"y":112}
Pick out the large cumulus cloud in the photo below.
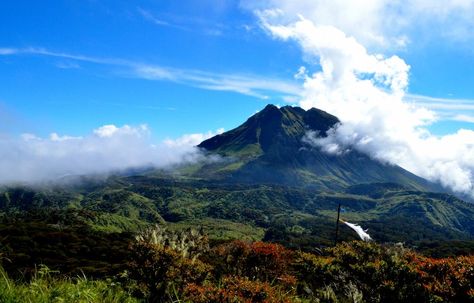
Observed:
{"x":367,"y":91}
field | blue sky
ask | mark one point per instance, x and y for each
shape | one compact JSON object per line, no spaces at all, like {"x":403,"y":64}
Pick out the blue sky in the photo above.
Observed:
{"x":97,"y":85}
{"x":50,"y":93}
{"x":43,"y":93}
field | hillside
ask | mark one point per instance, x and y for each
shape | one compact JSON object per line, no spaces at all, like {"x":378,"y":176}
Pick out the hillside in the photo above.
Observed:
{"x":297,"y":217}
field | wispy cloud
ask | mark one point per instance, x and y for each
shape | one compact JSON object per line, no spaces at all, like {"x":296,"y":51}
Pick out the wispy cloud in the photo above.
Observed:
{"x":39,"y":51}
{"x":148,"y":16}
{"x":7,"y":51}
{"x":434,"y":101}
{"x":251,"y":85}
{"x":67,"y":65}
{"x":445,"y":108}
{"x":464,"y":118}
{"x":191,"y":24}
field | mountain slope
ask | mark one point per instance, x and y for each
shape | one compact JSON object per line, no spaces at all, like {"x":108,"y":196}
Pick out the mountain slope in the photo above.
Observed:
{"x":270,"y":147}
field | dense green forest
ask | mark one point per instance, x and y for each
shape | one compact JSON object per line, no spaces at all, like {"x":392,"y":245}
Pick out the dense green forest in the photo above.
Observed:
{"x":295,"y":217}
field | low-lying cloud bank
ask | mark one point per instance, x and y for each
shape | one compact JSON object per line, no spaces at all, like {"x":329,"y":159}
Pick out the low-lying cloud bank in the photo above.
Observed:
{"x":107,"y":149}
{"x":368,"y":93}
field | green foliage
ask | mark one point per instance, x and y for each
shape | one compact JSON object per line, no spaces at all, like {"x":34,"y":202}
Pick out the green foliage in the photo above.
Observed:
{"x":222,"y":230}
{"x":44,"y":287}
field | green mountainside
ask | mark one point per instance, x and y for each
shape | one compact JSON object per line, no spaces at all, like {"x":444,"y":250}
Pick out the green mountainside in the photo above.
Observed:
{"x":297,"y":217}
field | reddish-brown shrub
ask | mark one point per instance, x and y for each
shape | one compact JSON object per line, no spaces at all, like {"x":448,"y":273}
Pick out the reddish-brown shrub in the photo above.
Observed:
{"x":449,"y":279}
{"x":236,"y":289}
{"x":257,"y":261}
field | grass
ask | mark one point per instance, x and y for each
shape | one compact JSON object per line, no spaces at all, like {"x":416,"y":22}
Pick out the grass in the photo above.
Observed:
{"x":231,"y":167}
{"x":44,"y":287}
{"x":110,"y":223}
{"x":218,"y":229}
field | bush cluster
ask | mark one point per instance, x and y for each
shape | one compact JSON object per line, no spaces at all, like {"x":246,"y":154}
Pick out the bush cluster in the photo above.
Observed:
{"x":356,"y":271}
{"x":167,"y":266}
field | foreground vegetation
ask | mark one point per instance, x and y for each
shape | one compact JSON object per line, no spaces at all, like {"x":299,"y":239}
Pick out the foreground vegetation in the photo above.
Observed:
{"x":171,"y":266}
{"x":45,"y":287}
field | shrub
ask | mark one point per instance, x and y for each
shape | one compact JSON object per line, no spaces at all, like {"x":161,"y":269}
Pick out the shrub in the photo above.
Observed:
{"x":447,"y":279}
{"x":189,"y":243}
{"x":162,"y":264}
{"x":236,"y":289}
{"x":375,"y":272}
{"x":256,"y":261}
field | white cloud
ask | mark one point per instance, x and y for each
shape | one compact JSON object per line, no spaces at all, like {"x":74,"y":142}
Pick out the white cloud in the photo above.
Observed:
{"x":110,"y":130}
{"x":367,"y":92}
{"x":191,"y":139}
{"x":56,"y":137}
{"x":106,"y":130}
{"x":382,"y":23}
{"x":108,"y":148}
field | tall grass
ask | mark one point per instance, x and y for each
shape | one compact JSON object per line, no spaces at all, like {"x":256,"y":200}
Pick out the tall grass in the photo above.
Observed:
{"x":45,"y":288}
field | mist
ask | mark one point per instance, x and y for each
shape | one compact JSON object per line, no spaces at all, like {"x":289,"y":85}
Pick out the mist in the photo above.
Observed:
{"x":107,"y":149}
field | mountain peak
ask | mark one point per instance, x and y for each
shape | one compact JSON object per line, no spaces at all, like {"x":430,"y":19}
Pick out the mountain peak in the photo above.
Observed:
{"x":270,"y":107}
{"x":270,"y":129}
